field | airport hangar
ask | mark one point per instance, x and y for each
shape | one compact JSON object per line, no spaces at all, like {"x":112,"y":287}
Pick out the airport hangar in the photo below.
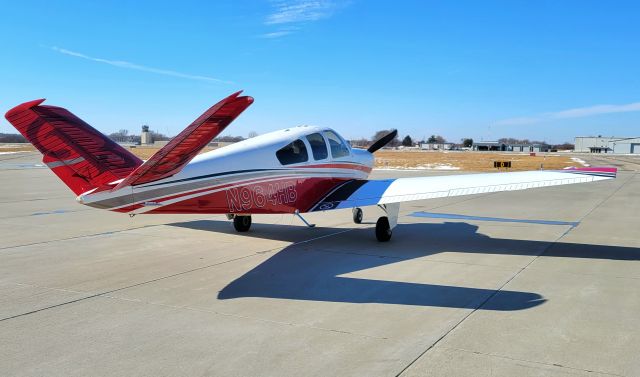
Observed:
{"x":504,"y":147}
{"x":599,"y":144}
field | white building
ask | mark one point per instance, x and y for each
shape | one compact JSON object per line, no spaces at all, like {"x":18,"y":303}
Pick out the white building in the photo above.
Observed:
{"x":436,"y":146}
{"x":599,"y":144}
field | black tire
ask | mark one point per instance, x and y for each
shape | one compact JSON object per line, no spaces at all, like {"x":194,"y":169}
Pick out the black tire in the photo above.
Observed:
{"x":383,"y":230}
{"x":242,"y":223}
{"x":357,"y":215}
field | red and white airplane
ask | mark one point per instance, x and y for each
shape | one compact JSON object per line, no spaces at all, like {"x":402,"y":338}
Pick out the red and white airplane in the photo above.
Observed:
{"x":295,"y":170}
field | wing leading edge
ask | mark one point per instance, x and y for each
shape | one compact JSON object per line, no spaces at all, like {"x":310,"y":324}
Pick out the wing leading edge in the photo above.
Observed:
{"x":361,"y":193}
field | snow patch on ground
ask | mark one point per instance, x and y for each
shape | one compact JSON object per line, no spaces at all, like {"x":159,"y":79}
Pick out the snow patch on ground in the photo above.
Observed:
{"x":580,"y":161}
{"x":13,"y":152}
{"x":422,"y":167}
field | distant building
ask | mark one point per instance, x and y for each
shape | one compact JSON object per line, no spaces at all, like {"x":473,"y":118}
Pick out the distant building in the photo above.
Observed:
{"x":528,"y":148}
{"x":220,"y":144}
{"x":489,"y":146}
{"x":437,"y":146}
{"x":145,"y":137}
{"x":503,"y":147}
{"x":599,"y":144}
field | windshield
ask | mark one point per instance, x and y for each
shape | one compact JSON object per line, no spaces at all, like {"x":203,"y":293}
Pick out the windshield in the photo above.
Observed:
{"x":318,"y":146}
{"x":338,"y":147}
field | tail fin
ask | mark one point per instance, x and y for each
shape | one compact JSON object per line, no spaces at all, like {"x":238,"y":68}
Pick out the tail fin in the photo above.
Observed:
{"x":187,"y":144}
{"x":82,"y":157}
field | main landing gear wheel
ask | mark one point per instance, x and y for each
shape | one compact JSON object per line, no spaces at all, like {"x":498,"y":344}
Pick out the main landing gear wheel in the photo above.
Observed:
{"x":357,"y":215}
{"x":242,"y":223}
{"x":383,"y":229}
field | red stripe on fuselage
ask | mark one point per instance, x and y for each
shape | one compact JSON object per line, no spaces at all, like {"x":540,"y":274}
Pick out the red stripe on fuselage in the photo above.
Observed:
{"x":258,"y":198}
{"x":161,"y":199}
{"x":215,"y":188}
{"x":345,"y":165}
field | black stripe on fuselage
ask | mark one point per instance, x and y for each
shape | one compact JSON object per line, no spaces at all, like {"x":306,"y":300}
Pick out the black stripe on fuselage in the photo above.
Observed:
{"x":211,"y":176}
{"x":343,"y":192}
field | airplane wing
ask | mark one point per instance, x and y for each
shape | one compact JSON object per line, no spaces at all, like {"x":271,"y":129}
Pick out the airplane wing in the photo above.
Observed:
{"x":360,"y":193}
{"x":183,"y":148}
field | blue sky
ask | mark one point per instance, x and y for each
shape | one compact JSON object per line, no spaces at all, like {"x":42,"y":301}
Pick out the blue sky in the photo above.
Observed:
{"x":547,"y":70}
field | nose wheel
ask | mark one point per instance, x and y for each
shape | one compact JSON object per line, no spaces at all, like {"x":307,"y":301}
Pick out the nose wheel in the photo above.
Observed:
{"x":357,"y":215}
{"x":242,"y":223}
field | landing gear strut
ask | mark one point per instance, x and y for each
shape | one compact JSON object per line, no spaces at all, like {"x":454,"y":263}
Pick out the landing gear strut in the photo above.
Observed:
{"x":385,"y":224}
{"x":357,"y":215}
{"x":242,"y":223}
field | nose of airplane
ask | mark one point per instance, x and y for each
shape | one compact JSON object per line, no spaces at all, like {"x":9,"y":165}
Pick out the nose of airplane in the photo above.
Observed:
{"x":364,"y":157}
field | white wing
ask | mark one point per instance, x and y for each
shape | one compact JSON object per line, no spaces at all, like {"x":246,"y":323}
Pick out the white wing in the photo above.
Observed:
{"x":360,"y":193}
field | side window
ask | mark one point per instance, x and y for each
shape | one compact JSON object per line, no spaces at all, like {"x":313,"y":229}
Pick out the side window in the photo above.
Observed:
{"x":338,"y":148}
{"x":318,"y":146}
{"x":293,"y":153}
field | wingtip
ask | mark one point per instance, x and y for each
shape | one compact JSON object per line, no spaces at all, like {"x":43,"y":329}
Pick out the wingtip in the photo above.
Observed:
{"x":607,"y":171}
{"x":23,"y":106}
{"x":236,"y":95}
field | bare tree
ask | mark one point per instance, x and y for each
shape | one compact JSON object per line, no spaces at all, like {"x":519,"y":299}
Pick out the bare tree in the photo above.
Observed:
{"x":158,"y":136}
{"x":12,"y":138}
{"x":229,"y":139}
{"x":360,"y":143}
{"x":122,"y":136}
{"x":382,"y":133}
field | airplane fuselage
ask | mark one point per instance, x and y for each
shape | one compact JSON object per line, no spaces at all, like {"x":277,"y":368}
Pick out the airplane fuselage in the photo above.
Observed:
{"x":291,"y":170}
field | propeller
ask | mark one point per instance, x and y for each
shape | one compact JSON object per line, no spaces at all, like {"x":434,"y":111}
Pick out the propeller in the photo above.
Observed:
{"x":383,"y":141}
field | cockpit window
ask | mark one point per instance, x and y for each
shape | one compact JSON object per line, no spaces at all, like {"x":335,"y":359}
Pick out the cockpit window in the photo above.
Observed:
{"x":318,"y":146}
{"x":338,"y":148}
{"x":293,"y":153}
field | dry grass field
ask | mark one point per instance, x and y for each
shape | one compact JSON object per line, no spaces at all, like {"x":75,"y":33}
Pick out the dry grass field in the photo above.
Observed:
{"x":470,"y":161}
{"x":419,"y":160}
{"x":146,"y":152}
{"x":12,"y":148}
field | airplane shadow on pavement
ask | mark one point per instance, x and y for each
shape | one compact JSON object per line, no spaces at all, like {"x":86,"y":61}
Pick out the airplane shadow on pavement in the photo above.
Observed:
{"x":313,"y":270}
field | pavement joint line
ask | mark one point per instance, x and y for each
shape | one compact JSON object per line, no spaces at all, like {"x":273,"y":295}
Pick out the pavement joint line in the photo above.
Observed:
{"x":631,"y":176}
{"x":123,"y":288}
{"x":518,"y":272}
{"x":240,"y":316}
{"x":169,"y":276}
{"x":43,"y":287}
{"x":79,"y":237}
{"x":153,"y":225}
{"x":532,"y":361}
{"x":417,"y":259}
{"x":46,"y":213}
{"x":588,"y":274}
{"x":200,"y":310}
{"x":33,"y":200}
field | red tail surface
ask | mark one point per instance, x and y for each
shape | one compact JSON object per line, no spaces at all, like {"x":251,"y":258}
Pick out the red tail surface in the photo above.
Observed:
{"x":77,"y":153}
{"x":187,"y":144}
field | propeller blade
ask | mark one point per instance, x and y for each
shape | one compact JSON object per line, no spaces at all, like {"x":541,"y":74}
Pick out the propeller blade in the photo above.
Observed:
{"x":383,"y":141}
